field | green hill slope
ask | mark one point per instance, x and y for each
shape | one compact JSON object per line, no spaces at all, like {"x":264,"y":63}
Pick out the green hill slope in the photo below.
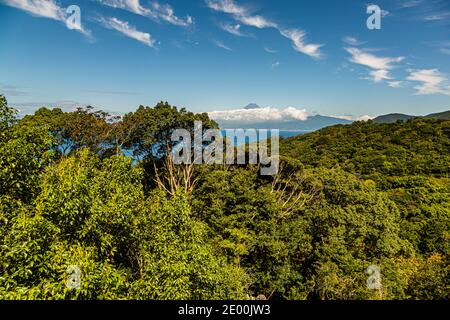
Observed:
{"x":392,"y":117}
{"x":442,"y":115}
{"x":408,"y":162}
{"x":413,"y":147}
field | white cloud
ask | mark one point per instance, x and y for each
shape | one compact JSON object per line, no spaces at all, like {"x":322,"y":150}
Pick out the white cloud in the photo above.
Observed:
{"x":130,"y":5}
{"x":221,"y":45}
{"x":445,"y":50}
{"x":352,"y":41}
{"x":369,"y":60}
{"x":25,"y":108}
{"x":261,"y":114}
{"x":12,"y":91}
{"x":41,"y":8}
{"x":298,"y":38}
{"x":270,"y":50}
{"x":380,"y":65}
{"x":46,"y":9}
{"x":411,"y":3}
{"x":232,"y":28}
{"x":226,"y":6}
{"x":157,"y":12}
{"x":276,"y":64}
{"x":364,"y":118}
{"x":437,"y":16}
{"x":256,"y":21}
{"x":166,"y":13}
{"x":296,"y":114}
{"x":128,"y":30}
{"x":380,"y":75}
{"x":273,"y":114}
{"x":354,"y":118}
{"x":442,"y":46}
{"x":240,"y":13}
{"x":244,"y":16}
{"x":344,"y":66}
{"x":432,"y":81}
{"x":395,"y":84}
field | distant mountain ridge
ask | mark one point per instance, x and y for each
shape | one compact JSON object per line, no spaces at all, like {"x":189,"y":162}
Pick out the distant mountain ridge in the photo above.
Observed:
{"x":394,"y":117}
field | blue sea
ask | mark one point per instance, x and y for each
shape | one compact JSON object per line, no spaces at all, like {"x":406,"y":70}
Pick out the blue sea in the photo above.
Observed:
{"x":283,"y":134}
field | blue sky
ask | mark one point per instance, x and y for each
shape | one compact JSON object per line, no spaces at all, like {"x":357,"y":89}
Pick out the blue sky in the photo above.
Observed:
{"x":210,"y":55}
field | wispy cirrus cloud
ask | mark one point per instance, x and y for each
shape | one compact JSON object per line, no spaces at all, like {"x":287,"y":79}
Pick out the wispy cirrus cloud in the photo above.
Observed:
{"x":380,"y":75}
{"x":298,"y":38}
{"x":437,"y":16}
{"x":243,"y":15}
{"x":352,"y":41}
{"x":129,"y":5}
{"x":232,"y":28}
{"x":157,"y":12}
{"x":431,"y":11}
{"x":227,"y":6}
{"x":275,"y":65}
{"x":12,"y":91}
{"x":270,"y":50}
{"x":128,"y":30}
{"x":432,"y":81}
{"x":25,"y":108}
{"x":256,"y":21}
{"x":166,"y":13}
{"x":444,"y":47}
{"x":395,"y":84}
{"x":221,"y":45}
{"x":40,"y":8}
{"x":380,"y":65}
{"x":445,"y":50}
{"x":113,"y":92}
{"x":411,"y":3}
{"x":240,"y":13}
{"x":49,"y":9}
{"x":441,"y":46}
{"x":359,"y":56}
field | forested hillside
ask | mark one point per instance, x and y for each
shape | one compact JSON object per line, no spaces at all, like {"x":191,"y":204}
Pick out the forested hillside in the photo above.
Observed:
{"x":419,"y":146}
{"x":407,"y":162}
{"x":100,"y":193}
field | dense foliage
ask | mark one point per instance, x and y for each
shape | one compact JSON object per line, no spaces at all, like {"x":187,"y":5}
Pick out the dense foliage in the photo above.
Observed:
{"x":88,"y":190}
